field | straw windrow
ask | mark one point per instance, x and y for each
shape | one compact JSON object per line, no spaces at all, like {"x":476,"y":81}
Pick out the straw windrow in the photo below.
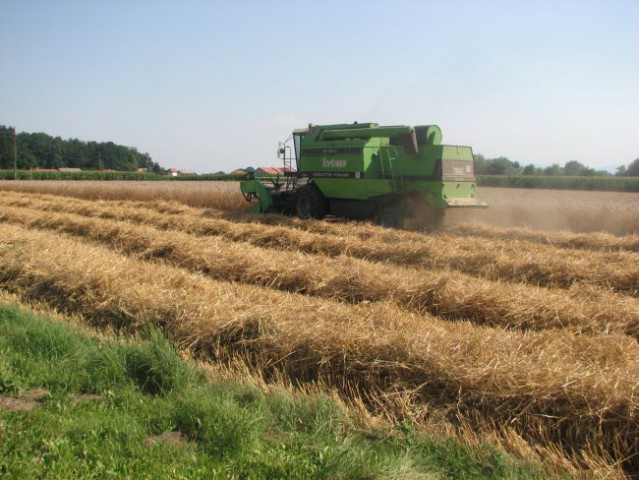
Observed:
{"x":510,"y":261}
{"x":596,"y":241}
{"x":449,"y":294}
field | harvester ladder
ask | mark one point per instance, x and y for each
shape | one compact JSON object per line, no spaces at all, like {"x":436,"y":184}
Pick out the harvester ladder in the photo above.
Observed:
{"x":288,"y":170}
{"x":397,"y":180}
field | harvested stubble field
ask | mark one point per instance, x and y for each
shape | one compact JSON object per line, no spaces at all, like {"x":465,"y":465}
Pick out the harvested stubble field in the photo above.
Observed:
{"x":527,"y":336}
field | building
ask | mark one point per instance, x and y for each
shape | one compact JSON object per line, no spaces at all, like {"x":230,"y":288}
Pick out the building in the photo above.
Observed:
{"x":273,"y":170}
{"x":174,"y":172}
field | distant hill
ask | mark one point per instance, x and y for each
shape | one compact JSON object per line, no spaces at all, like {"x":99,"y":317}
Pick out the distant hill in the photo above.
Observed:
{"x":39,"y":150}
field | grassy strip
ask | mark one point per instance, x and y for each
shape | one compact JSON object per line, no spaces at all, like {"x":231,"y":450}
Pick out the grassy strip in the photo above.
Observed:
{"x":110,"y":176}
{"x":447,"y":294}
{"x":604,"y":184}
{"x":575,"y":394}
{"x":134,"y":409}
{"x":608,"y":184}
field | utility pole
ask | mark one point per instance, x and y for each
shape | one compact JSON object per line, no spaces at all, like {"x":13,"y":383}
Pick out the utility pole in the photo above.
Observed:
{"x":15,"y":155}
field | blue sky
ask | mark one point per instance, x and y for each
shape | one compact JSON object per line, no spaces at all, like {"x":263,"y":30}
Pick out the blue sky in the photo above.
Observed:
{"x":210,"y":86}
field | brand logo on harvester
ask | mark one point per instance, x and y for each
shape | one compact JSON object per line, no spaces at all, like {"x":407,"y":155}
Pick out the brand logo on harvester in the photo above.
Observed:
{"x":331,"y":163}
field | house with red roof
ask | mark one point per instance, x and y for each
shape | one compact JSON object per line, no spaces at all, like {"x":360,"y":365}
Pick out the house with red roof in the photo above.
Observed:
{"x":273,"y":170}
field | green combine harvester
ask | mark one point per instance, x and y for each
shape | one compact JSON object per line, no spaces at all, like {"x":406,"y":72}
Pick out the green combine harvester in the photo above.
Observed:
{"x":363,"y":171}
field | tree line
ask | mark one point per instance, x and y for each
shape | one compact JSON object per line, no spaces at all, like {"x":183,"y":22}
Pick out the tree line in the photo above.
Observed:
{"x":39,"y":150}
{"x":572,"y":168}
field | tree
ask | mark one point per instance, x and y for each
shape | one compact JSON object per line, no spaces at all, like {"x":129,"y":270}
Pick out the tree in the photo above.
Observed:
{"x":529,"y":170}
{"x":41,"y":145}
{"x":495,"y":166}
{"x":574,"y":168}
{"x":26,"y":158}
{"x":501,"y":166}
{"x":633,"y":169}
{"x":39,"y":150}
{"x":6,"y":147}
{"x":58,"y":160}
{"x":553,"y":170}
{"x":480,"y":163}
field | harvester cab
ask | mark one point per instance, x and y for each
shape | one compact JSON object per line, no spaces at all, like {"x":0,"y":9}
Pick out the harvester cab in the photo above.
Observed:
{"x":362,"y":171}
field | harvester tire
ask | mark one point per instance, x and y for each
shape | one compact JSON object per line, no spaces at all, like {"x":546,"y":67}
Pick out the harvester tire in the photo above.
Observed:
{"x":310,"y":203}
{"x":250,"y":197}
{"x":390,"y":217}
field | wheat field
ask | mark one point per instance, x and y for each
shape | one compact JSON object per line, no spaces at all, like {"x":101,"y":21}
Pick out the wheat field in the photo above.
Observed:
{"x":526,"y":336}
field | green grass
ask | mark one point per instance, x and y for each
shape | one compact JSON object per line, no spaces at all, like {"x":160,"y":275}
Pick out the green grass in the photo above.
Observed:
{"x":604,"y":184}
{"x":141,"y":388}
{"x":99,"y":175}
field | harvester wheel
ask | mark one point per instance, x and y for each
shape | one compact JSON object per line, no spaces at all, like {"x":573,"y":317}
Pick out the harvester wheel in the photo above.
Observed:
{"x":390,"y":217}
{"x":310,"y":203}
{"x":249,"y":196}
{"x":248,"y":176}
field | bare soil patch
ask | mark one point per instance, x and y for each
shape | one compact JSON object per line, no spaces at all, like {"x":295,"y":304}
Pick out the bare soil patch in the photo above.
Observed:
{"x":25,"y":402}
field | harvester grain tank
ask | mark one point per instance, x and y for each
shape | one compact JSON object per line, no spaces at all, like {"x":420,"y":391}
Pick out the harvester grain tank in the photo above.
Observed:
{"x":361,"y":171}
